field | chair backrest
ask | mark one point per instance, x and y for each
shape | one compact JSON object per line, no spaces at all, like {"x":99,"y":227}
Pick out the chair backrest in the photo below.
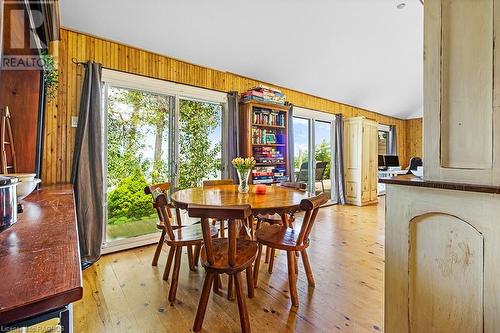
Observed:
{"x":163,"y":188}
{"x":311,"y":207}
{"x":320,"y":170}
{"x":303,"y":174}
{"x":162,"y":207}
{"x":217,"y":182}
{"x":414,"y":163}
{"x":230,"y":213}
{"x":295,"y":185}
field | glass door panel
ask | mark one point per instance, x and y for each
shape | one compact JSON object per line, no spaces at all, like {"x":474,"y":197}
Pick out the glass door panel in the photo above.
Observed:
{"x":301,"y":151}
{"x":137,"y":130}
{"x":200,"y":142}
{"x":323,"y":157}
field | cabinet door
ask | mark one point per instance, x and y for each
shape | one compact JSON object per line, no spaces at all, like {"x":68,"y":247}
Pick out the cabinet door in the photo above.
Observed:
{"x":373,"y":162}
{"x":461,"y":91}
{"x":365,"y":157}
{"x":352,"y":160}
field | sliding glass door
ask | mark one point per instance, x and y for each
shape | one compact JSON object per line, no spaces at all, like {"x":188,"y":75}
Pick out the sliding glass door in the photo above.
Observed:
{"x":137,"y":154}
{"x":200,"y":142}
{"x":313,"y":138}
{"x":155,"y":132}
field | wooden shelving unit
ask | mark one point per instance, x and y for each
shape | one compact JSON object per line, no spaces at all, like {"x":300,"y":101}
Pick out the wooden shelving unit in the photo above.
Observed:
{"x":264,"y":135}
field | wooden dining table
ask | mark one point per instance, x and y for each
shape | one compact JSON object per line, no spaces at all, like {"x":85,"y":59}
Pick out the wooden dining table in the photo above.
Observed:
{"x":277,"y":199}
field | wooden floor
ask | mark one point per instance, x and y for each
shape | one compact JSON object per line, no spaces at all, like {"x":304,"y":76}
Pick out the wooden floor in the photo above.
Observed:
{"x":124,"y":293}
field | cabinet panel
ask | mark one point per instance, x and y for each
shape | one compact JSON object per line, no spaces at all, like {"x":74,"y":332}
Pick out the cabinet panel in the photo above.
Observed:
{"x":461,"y":90}
{"x":466,"y":84}
{"x":445,"y":275}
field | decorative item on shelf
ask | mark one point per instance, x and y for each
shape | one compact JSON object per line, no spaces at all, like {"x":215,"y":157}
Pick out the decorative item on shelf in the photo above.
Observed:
{"x":264,"y":94}
{"x":243,"y":167}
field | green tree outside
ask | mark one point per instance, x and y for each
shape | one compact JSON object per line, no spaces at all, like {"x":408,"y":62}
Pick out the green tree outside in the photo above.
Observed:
{"x":137,"y":124}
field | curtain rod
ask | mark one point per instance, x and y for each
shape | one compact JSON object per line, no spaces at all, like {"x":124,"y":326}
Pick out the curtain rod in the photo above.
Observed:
{"x":76,"y":62}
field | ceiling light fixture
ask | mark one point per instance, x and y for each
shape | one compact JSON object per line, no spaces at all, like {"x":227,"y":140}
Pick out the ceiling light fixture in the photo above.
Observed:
{"x":401,"y":5}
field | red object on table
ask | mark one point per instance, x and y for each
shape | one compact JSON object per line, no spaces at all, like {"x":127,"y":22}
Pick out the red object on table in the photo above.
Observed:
{"x":260,"y":189}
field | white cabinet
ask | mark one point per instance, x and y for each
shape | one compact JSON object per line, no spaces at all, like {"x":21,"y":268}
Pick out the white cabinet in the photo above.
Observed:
{"x":441,"y":261}
{"x":462,"y":91}
{"x":360,"y":160}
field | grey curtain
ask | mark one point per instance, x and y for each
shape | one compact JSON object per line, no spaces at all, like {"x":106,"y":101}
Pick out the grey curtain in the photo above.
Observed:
{"x":233,"y":133}
{"x":339,"y":159}
{"x":393,"y":140}
{"x":290,"y":143}
{"x":87,"y":172}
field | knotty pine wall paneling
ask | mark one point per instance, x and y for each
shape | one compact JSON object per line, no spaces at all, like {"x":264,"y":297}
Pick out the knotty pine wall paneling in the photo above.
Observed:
{"x":414,"y":137}
{"x":60,"y":136}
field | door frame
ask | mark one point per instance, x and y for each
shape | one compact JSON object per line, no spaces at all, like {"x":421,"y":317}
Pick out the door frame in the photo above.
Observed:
{"x":312,"y":116}
{"x":124,"y":80}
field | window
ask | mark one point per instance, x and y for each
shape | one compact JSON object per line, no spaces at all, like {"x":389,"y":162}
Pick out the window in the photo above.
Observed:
{"x":313,"y":140}
{"x":383,"y":142}
{"x":156,"y":131}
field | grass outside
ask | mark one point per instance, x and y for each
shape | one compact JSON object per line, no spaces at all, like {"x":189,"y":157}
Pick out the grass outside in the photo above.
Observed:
{"x":127,"y":229}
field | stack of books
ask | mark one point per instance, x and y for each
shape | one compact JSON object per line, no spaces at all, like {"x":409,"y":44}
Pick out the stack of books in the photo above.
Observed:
{"x":265,"y":94}
{"x":263,"y":175}
{"x":279,"y":174}
{"x":269,"y":175}
{"x":268,"y":155}
{"x":268,"y":117}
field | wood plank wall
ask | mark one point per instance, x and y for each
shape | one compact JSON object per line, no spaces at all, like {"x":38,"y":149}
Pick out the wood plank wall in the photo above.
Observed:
{"x":60,"y":136}
{"x":414,"y":136}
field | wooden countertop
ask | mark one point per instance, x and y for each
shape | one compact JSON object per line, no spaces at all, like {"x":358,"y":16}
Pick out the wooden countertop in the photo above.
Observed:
{"x":410,"y":180}
{"x":40,"y":257}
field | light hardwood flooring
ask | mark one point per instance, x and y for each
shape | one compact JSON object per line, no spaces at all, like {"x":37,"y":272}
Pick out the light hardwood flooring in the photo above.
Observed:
{"x":124,"y":293}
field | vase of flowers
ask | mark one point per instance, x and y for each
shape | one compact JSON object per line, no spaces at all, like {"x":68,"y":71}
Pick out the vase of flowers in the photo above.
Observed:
{"x":243,"y":167}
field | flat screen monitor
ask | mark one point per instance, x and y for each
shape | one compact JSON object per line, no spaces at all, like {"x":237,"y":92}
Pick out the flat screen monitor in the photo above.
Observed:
{"x":381,"y":162}
{"x":391,"y":161}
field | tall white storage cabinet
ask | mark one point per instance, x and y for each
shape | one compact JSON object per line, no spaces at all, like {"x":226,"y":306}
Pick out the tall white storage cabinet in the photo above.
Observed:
{"x":360,"y":160}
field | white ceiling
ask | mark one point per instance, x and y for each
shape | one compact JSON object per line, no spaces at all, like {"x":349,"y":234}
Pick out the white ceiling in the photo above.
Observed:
{"x":365,"y":53}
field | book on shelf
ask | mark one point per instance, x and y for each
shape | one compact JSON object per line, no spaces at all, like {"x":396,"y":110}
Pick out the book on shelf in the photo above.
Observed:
{"x":264,"y":94}
{"x":268,"y":117}
{"x":269,"y":175}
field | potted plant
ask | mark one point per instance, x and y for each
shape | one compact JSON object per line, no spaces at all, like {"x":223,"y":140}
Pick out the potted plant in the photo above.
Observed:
{"x":50,"y":76}
{"x":243,"y":167}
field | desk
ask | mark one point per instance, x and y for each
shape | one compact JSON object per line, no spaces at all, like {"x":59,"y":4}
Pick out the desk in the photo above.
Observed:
{"x":40,"y":261}
{"x":388,"y":174}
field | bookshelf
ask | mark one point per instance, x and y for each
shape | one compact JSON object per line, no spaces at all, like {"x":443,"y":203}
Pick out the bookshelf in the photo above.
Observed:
{"x":264,"y":135}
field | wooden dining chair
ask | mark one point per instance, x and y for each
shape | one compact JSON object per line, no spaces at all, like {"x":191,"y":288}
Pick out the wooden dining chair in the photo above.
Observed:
{"x":231,"y":255}
{"x":290,"y":240}
{"x":186,"y":236}
{"x":148,"y":190}
{"x":276,"y":219}
{"x":214,"y":183}
{"x":192,"y":255}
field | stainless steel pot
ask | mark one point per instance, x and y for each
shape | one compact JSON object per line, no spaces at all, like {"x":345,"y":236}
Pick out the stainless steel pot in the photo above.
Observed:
{"x":8,"y":201}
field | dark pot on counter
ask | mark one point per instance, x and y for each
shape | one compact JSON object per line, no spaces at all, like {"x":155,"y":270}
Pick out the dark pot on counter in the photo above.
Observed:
{"x":8,"y":201}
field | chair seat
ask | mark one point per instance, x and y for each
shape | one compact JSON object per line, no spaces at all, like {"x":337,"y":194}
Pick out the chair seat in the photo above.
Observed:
{"x":160,"y":225}
{"x":279,"y":237}
{"x":246,"y":251}
{"x":189,"y":235}
{"x":271,"y":219}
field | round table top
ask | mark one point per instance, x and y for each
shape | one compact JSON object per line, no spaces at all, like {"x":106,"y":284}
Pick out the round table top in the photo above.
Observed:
{"x":277,"y":199}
